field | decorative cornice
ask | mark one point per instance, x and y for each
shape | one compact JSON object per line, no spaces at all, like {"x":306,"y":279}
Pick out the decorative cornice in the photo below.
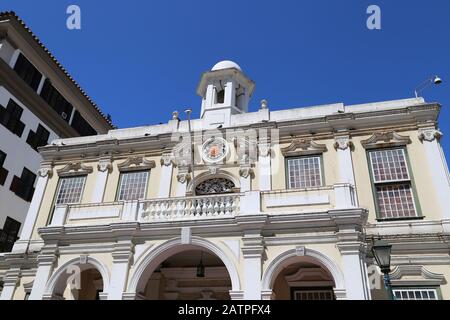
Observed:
{"x":136,"y":163}
{"x":73,"y":169}
{"x":383,"y":139}
{"x":429,"y":134}
{"x":342,"y":143}
{"x":303,"y":147}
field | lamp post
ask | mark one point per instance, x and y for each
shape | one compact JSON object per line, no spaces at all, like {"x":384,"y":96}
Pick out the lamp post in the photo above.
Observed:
{"x":432,"y":80}
{"x":382,"y":252}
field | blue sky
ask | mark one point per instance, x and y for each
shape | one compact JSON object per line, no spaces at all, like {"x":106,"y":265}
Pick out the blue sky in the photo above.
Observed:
{"x":141,"y":60}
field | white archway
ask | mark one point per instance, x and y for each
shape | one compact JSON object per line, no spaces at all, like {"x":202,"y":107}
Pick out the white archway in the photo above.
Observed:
{"x":57,"y":282}
{"x":146,"y":265}
{"x":288,"y":257}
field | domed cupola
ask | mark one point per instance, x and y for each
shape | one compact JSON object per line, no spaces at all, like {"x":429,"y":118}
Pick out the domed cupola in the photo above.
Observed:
{"x":225,"y":90}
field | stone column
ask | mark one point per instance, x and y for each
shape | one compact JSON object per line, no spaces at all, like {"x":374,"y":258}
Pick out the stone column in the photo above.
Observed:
{"x":46,"y":263}
{"x":343,"y":147}
{"x":104,"y":169}
{"x":122,"y":255}
{"x":10,"y":283}
{"x":44,"y":174}
{"x":252,"y":252}
{"x":265,"y":172}
{"x":355,"y":270}
{"x":438,"y":170}
{"x":166,"y":175}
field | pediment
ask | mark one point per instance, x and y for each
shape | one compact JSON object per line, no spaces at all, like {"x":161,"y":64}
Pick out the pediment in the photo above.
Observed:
{"x":384,"y":139}
{"x":136,"y":163}
{"x":416,"y":274}
{"x":74,"y":169}
{"x":303,"y":147}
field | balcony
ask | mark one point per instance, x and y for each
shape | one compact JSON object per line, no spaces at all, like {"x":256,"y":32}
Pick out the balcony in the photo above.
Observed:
{"x":222,"y":206}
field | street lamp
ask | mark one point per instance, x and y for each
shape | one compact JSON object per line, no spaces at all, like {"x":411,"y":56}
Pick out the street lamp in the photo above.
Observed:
{"x":382,"y":252}
{"x":432,"y":80}
{"x":201,"y":267}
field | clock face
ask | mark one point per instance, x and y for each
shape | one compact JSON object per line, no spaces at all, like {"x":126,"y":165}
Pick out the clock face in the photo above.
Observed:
{"x":214,"y":149}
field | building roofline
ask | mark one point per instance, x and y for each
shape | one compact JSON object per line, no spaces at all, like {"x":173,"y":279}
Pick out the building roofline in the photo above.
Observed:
{"x":16,"y":18}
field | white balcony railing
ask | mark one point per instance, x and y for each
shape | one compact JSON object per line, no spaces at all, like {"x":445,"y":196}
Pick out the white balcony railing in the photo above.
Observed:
{"x":298,"y":201}
{"x":201,"y":207}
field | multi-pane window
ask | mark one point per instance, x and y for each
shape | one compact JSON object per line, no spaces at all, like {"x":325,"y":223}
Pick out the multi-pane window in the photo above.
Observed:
{"x":23,"y":186}
{"x":3,"y":171}
{"x":10,"y":118}
{"x":132,"y":185}
{"x":56,"y":100}
{"x":304,"y":172}
{"x":28,"y":72}
{"x":415,"y":294}
{"x":39,"y":138}
{"x":70,"y":190}
{"x":393,"y":187}
{"x":81,"y":125}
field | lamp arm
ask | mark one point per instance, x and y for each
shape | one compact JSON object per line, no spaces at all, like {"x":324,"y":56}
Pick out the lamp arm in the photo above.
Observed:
{"x":422,"y":86}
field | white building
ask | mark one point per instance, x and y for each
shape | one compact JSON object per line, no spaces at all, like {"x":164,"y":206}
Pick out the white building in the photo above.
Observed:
{"x":39,"y":102}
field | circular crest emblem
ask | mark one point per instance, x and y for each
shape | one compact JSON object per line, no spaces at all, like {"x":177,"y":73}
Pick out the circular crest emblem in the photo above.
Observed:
{"x":214,"y":150}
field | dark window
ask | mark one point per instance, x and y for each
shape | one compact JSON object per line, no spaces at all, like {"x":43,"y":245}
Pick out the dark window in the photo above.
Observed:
{"x":10,"y":118}
{"x":220,"y":96}
{"x":39,"y":138}
{"x":8,"y":235}
{"x":23,"y":186}
{"x":82,"y":126}
{"x":28,"y":72}
{"x":56,"y":100}
{"x":3,"y":171}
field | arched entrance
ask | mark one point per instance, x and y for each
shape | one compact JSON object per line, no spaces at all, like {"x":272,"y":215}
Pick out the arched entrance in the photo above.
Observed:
{"x":303,"y":274}
{"x":189,"y":275}
{"x":76,"y":280}
{"x":179,"y":271}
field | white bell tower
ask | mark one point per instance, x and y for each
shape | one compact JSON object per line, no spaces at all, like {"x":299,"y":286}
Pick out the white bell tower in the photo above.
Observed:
{"x":225,"y":90}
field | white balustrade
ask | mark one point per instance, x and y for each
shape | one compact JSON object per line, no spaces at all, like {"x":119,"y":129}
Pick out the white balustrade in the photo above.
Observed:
{"x":186,"y":208}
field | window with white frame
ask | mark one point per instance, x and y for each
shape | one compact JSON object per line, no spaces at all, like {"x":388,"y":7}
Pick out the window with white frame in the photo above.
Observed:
{"x":132,"y":185}
{"x":304,"y":172}
{"x":392,"y":182}
{"x":70,"y":190}
{"x":415,"y":294}
{"x":313,"y":294}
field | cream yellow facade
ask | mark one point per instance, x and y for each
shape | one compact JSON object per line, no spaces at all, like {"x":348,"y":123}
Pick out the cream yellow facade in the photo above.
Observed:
{"x":187,"y":237}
